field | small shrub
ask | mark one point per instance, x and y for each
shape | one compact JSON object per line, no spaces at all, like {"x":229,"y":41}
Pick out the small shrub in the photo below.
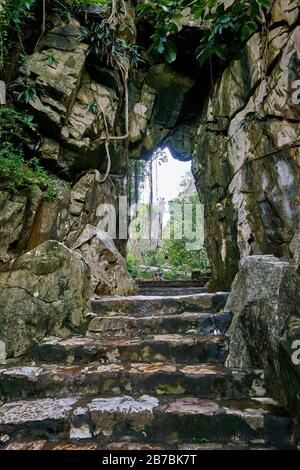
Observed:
{"x":14,"y":167}
{"x":107,"y":46}
{"x":13,"y":15}
{"x":24,"y":92}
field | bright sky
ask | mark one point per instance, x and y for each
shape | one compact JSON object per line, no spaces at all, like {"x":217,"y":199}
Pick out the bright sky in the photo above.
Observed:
{"x":169,"y":177}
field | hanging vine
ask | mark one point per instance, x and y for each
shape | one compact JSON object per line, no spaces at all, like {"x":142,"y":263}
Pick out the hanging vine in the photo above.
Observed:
{"x":106,"y":45}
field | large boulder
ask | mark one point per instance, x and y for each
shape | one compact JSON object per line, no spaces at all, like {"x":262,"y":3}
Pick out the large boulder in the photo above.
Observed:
{"x":265,"y":305}
{"x":108,"y":267}
{"x":44,"y":292}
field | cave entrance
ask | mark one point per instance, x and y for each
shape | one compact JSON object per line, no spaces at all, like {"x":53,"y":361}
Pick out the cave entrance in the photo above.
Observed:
{"x":166,"y":235}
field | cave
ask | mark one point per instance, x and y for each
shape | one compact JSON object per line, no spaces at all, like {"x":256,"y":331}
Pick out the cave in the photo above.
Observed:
{"x":92,"y":356}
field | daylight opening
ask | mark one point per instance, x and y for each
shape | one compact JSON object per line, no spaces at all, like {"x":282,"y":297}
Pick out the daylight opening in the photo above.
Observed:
{"x":166,"y":235}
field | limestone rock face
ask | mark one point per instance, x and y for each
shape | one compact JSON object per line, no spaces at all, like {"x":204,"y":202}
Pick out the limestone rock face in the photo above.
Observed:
{"x":45,"y":285}
{"x":158,"y":106}
{"x":108,"y":268}
{"x":285,"y":10}
{"x":46,"y":291}
{"x":289,"y":358}
{"x":246,"y":160}
{"x":265,"y":305}
{"x":83,"y":135}
{"x":74,"y":109}
{"x":295,"y":250}
{"x":29,"y":220}
{"x":85,"y":232}
{"x":77,"y":104}
{"x":57,"y":72}
{"x":17,"y":213}
{"x":87,"y":196}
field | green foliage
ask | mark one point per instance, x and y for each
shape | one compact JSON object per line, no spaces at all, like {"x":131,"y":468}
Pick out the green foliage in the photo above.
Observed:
{"x":179,"y":255}
{"x":13,"y":126}
{"x":23,"y":173}
{"x":162,"y":16}
{"x":182,"y":257}
{"x":92,"y":108}
{"x":153,"y":257}
{"x":24,"y":92}
{"x":50,"y":59}
{"x":230,"y":27}
{"x":14,"y":167}
{"x":103,"y":39}
{"x":104,"y":43}
{"x":13,"y":15}
{"x":133,"y":265}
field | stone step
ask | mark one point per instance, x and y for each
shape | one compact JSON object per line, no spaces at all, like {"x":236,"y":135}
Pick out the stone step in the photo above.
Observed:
{"x":186,"y":284}
{"x":142,"y":305}
{"x":160,"y":348}
{"x":172,"y":291}
{"x":145,"y":420}
{"x":124,"y":446}
{"x":128,"y":446}
{"x":205,"y":381}
{"x":80,"y":446}
{"x":185,"y":323}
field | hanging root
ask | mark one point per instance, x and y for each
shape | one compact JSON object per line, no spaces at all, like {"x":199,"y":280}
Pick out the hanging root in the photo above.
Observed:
{"x":108,"y":137}
{"x":112,"y":20}
{"x":43,"y":27}
{"x":124,"y":71}
{"x":108,"y":163}
{"x":108,"y":156}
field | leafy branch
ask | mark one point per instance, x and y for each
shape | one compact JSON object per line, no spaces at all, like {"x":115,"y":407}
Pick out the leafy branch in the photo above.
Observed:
{"x":228,"y":27}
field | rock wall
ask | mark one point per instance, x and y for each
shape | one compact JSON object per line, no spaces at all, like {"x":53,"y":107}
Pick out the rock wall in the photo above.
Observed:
{"x":77,"y":103}
{"x":44,"y":292}
{"x":159,"y":96}
{"x":264,"y":334}
{"x":247,"y":160}
{"x":242,"y":136}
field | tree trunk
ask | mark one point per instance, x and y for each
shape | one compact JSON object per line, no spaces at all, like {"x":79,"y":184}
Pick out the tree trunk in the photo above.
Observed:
{"x":136,"y":182}
{"x":151,"y":197}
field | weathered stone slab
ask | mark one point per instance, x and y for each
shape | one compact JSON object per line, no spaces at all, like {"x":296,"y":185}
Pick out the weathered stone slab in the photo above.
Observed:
{"x":157,"y":305}
{"x":138,"y":378}
{"x":160,"y":348}
{"x":185,"y":323}
{"x":22,"y":412}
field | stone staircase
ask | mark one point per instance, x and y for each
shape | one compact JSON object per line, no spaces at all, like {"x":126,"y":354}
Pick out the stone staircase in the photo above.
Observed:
{"x":148,"y":373}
